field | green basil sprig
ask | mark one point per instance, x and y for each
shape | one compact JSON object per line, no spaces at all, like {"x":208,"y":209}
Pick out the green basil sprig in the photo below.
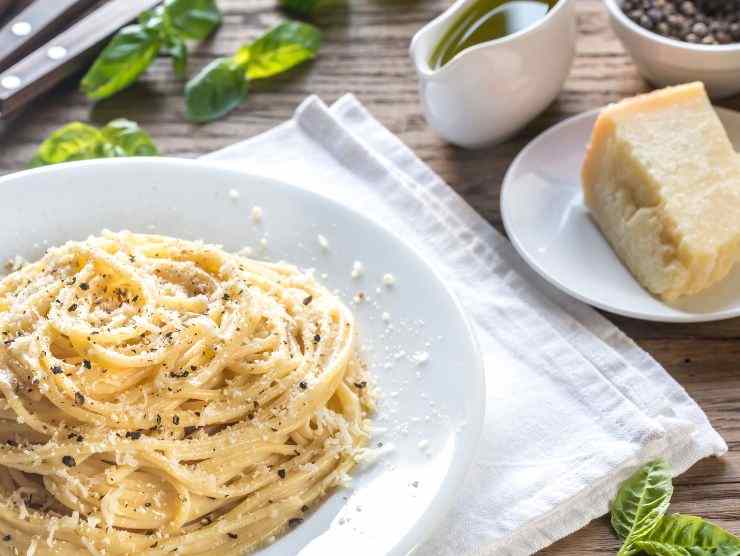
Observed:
{"x":78,"y":141}
{"x":222,"y":85}
{"x":640,"y":503}
{"x":216,"y":90}
{"x":653,"y":548}
{"x":307,"y":7}
{"x":280,"y":49}
{"x":638,"y":517}
{"x":302,"y":7}
{"x":163,"y":29}
{"x":688,"y":531}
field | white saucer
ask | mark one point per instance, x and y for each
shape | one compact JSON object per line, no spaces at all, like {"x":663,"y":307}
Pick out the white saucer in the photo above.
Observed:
{"x":546,"y":220}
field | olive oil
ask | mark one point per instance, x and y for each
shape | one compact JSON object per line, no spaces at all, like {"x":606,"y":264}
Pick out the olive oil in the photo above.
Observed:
{"x":487,"y":20}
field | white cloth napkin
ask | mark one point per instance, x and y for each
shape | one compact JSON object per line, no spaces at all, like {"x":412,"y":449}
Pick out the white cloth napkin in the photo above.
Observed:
{"x":573,"y":405}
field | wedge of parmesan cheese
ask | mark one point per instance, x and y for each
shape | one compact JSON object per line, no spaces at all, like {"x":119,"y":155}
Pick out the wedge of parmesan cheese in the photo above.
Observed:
{"x":662,"y":181}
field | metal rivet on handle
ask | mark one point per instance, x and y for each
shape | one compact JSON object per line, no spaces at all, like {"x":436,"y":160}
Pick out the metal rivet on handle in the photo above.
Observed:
{"x":56,"y":52}
{"x":10,"y":82}
{"x":21,"y":28}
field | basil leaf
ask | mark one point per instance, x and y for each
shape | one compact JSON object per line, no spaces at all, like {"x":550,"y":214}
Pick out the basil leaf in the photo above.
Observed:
{"x":725,"y":549}
{"x":308,"y":7}
{"x":282,"y":48}
{"x":302,"y":7}
{"x":152,"y":19}
{"x":125,"y":57}
{"x":128,"y":139}
{"x":640,"y":503}
{"x":691,"y":531}
{"x":193,"y":19}
{"x":178,"y":51}
{"x":216,"y":90}
{"x":74,"y":141}
{"x":78,"y":141}
{"x":652,"y":548}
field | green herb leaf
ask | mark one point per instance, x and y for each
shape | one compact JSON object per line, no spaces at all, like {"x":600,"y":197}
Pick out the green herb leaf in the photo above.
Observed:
{"x":216,"y":90}
{"x":178,"y":51}
{"x":74,"y":141}
{"x":308,"y":7}
{"x":128,"y":139}
{"x":302,"y":7}
{"x":78,"y":141}
{"x":193,"y":19}
{"x":282,"y":48}
{"x":152,"y":19}
{"x":690,"y":531}
{"x":725,"y":549}
{"x":640,"y":503}
{"x":652,"y":548}
{"x":121,"y":62}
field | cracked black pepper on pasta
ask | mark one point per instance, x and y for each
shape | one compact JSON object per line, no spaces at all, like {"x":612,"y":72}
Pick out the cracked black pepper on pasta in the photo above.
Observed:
{"x":160,"y":395}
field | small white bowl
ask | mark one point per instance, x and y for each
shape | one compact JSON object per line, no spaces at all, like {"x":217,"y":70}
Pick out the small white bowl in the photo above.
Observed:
{"x":664,"y":61}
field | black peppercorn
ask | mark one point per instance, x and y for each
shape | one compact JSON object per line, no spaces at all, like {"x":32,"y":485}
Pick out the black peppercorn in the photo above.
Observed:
{"x":705,"y":22}
{"x":700,"y":29}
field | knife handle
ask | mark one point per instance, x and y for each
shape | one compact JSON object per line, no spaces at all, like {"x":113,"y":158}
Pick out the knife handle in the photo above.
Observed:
{"x":13,"y":7}
{"x":65,"y":54}
{"x":38,"y":22}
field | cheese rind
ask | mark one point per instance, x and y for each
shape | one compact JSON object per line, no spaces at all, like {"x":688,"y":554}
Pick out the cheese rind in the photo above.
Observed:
{"x":662,"y":181}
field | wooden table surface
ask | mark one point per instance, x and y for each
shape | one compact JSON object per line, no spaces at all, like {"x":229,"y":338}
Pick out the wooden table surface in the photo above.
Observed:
{"x":366,"y":53}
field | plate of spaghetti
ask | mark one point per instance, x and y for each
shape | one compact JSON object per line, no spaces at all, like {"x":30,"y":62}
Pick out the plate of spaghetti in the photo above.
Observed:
{"x":195,"y":360}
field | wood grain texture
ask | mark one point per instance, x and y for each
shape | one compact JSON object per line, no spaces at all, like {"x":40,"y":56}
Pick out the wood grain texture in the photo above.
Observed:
{"x":366,"y":54}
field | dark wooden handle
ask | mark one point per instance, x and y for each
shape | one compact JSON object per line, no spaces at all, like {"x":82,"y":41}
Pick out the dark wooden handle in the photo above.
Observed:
{"x":65,"y":54}
{"x":5,"y":6}
{"x":14,"y":7}
{"x":30,"y":28}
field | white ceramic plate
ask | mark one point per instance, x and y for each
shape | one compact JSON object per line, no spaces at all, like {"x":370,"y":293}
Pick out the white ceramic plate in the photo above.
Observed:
{"x":546,"y":220}
{"x":393,"y":504}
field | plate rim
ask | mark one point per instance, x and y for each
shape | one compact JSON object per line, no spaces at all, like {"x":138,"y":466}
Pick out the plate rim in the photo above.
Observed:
{"x":443,"y":500}
{"x":532,"y":262}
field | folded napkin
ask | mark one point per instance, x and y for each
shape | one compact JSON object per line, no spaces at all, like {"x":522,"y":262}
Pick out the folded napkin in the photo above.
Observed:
{"x":573,"y":405}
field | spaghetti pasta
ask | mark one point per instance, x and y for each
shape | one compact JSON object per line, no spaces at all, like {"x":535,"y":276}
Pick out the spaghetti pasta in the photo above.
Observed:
{"x":161,"y":394}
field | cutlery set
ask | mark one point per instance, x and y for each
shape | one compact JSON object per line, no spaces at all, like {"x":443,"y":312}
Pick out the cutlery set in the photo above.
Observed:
{"x":44,"y":41}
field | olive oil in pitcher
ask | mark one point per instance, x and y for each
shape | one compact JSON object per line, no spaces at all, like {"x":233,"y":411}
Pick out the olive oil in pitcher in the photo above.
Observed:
{"x":487,"y":20}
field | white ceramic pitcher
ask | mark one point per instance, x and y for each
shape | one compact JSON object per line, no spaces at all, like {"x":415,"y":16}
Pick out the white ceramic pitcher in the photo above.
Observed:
{"x":489,"y":91}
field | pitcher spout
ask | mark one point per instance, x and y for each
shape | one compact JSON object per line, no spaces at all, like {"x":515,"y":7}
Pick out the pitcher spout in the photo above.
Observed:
{"x":428,"y":37}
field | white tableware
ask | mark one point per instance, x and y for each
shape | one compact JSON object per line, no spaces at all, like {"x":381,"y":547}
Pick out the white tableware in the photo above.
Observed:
{"x":424,"y":356}
{"x":664,"y":61}
{"x":490,"y":91}
{"x":546,"y":220}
